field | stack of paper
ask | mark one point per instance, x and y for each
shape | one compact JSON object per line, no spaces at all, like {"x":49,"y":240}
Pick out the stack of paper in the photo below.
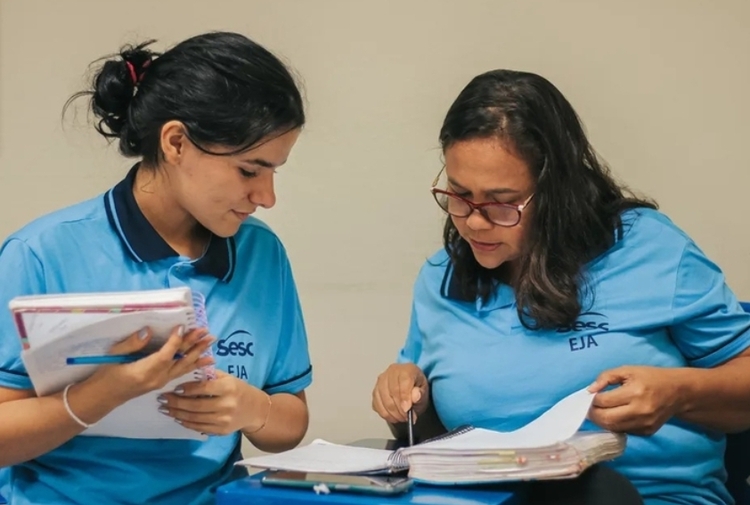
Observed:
{"x":55,"y":327}
{"x":549,"y":447}
{"x":502,"y":463}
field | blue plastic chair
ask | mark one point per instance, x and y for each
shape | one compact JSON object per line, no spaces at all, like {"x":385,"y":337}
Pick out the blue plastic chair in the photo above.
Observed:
{"x":737,"y":459}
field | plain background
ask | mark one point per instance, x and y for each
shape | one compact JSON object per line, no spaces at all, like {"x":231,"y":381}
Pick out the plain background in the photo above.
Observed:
{"x":661,"y":85}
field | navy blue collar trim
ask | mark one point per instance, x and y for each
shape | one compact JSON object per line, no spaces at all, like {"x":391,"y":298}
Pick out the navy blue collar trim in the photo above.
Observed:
{"x":144,"y":244}
{"x":450,"y":287}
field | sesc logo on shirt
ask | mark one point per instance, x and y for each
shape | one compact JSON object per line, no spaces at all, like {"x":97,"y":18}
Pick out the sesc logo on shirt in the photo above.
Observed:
{"x":237,"y":345}
{"x":589,"y":324}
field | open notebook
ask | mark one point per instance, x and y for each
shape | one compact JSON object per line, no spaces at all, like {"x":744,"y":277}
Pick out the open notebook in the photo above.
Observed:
{"x":549,"y":447}
{"x":55,"y":327}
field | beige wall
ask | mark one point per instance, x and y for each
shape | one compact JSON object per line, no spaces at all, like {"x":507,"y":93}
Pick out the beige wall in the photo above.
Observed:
{"x":662,"y":86}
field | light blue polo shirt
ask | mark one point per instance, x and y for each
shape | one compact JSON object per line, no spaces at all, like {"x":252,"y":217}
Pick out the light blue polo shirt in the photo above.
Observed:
{"x":106,"y":244}
{"x":655,"y":300}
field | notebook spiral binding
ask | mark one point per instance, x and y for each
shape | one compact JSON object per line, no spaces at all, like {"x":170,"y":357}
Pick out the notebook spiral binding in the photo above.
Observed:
{"x":199,"y":308}
{"x":201,"y":321}
{"x":398,"y":462}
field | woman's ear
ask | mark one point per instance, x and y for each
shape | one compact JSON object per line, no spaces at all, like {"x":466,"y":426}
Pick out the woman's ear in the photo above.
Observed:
{"x":173,"y":141}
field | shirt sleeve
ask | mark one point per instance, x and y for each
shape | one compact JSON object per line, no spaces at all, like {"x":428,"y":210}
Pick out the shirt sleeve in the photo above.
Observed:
{"x":412,"y":349}
{"x":291,"y":371}
{"x":709,"y":326}
{"x":22,"y":274}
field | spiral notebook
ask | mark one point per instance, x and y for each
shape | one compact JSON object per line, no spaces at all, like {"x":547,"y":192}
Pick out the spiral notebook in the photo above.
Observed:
{"x":53,"y":328}
{"x":548,"y":447}
{"x":451,"y":462}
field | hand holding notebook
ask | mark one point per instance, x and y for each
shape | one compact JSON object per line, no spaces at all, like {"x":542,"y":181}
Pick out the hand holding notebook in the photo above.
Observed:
{"x":54,"y":328}
{"x":548,"y":447}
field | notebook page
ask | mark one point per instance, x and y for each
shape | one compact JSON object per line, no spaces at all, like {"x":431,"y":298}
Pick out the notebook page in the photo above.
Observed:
{"x":324,"y":457}
{"x":179,"y":295}
{"x":43,"y":318}
{"x":42,"y":328}
{"x":46,"y":364}
{"x":139,"y":417}
{"x":557,"y":424}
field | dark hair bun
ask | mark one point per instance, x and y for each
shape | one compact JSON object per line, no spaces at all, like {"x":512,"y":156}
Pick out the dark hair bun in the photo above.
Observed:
{"x":224,"y":88}
{"x":114,"y":87}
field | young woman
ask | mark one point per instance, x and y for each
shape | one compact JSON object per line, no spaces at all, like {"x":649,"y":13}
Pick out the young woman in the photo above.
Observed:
{"x":552,"y":280}
{"x":210,"y":121}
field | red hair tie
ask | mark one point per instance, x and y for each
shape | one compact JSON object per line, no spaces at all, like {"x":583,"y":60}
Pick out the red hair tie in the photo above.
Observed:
{"x":133,"y":75}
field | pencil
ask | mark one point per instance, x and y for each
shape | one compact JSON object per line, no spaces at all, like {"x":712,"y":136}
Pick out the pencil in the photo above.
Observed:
{"x":410,"y":422}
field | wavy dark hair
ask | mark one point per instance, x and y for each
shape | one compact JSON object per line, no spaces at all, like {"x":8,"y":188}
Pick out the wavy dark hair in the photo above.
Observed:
{"x":227,"y":90}
{"x":577,"y":204}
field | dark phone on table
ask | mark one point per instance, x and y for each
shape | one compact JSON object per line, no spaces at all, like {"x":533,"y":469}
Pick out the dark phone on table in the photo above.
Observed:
{"x":367,"y":484}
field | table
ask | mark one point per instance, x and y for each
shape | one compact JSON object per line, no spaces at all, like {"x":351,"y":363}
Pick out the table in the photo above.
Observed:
{"x":249,"y":491}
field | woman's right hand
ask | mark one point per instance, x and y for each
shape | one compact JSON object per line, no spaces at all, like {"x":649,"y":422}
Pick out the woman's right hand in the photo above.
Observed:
{"x":128,"y":381}
{"x":398,"y":389}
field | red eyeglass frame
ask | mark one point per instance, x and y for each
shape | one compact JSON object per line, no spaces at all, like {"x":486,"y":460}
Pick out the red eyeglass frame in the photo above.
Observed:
{"x":478,"y":206}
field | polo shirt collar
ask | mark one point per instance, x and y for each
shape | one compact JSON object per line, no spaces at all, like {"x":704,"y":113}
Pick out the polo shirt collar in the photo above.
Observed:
{"x":451,"y":289}
{"x":144,"y":244}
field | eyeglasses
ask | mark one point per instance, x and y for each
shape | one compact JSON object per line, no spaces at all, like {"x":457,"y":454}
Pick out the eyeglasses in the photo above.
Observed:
{"x":501,"y":214}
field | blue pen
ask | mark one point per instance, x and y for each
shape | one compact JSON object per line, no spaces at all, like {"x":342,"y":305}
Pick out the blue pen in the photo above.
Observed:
{"x":109,"y":359}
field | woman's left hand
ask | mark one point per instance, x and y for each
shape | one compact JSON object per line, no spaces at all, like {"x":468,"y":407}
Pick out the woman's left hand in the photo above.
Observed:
{"x":645,"y":399}
{"x":217,"y":407}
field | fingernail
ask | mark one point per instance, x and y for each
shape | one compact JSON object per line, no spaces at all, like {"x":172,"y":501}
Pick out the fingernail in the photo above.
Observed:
{"x":162,"y":399}
{"x":180,"y":331}
{"x":178,"y":421}
{"x":405,"y":406}
{"x":179,"y":390}
{"x":164,"y":410}
{"x":143,"y":334}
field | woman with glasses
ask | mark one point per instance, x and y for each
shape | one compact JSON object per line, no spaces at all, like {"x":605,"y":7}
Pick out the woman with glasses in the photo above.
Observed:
{"x":552,"y":279}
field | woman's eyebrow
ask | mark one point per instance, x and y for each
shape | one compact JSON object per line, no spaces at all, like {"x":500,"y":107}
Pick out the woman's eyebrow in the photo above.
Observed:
{"x":494,"y":191}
